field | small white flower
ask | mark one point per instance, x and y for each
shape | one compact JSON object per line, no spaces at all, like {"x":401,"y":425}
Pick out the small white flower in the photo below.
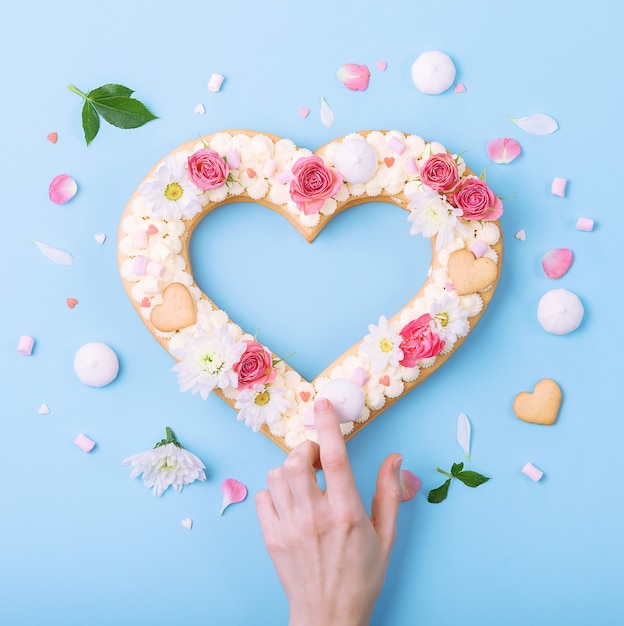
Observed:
{"x":261,"y":404}
{"x":166,"y":465}
{"x":381,"y":345}
{"x":206,"y":360}
{"x":432,"y":215}
{"x":171,"y":195}
{"x":450,"y":319}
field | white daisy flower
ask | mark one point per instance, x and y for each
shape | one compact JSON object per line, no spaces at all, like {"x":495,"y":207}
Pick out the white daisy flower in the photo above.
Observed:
{"x":381,"y":345}
{"x":167,"y":464}
{"x":206,"y":360}
{"x":432,"y":215}
{"x":450,"y":319}
{"x":171,"y":195}
{"x":261,"y":404}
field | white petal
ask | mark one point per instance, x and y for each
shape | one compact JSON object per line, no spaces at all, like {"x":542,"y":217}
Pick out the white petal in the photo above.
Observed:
{"x":327,"y":116}
{"x":536,"y":124}
{"x":55,"y":254}
{"x":463,"y":434}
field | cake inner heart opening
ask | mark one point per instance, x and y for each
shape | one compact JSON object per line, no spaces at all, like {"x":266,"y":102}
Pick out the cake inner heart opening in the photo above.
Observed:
{"x":306,"y":298}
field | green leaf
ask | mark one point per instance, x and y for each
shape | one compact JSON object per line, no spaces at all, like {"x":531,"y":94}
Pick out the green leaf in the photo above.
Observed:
{"x":123,"y":112}
{"x":456,"y":468}
{"x":471,"y":479}
{"x":109,"y":91}
{"x":90,"y":122}
{"x":435,"y":496}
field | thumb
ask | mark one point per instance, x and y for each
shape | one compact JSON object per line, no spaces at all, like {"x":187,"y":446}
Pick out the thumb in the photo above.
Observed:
{"x":386,"y":501}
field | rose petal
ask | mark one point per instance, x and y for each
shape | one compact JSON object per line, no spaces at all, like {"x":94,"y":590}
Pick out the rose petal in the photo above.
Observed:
{"x":354,"y":77}
{"x":536,"y":124}
{"x":233,"y":492}
{"x":55,"y":254}
{"x":557,"y":262}
{"x":410,"y":485}
{"x":62,"y":189}
{"x":503,"y":150}
{"x":463,"y":433}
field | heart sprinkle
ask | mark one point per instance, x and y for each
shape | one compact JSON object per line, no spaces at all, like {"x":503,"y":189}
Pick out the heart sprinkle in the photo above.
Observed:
{"x":199,"y":109}
{"x":152,"y":229}
{"x":52,"y":137}
{"x":520,"y":235}
{"x":460,"y":88}
{"x":71,"y":302}
{"x":381,"y":65}
{"x":187,"y":523}
{"x":100,"y":238}
{"x":304,"y":112}
{"x":145,"y":303}
{"x":304,"y":395}
{"x":385,"y":380}
{"x":251,"y":173}
{"x":389,"y":161}
{"x":44,"y":409}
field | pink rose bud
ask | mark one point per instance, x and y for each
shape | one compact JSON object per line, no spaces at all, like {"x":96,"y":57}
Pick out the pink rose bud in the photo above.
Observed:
{"x":207,"y":169}
{"x":419,"y":341}
{"x":440,"y":173}
{"x":313,"y":183}
{"x":476,"y":200}
{"x":255,"y":366}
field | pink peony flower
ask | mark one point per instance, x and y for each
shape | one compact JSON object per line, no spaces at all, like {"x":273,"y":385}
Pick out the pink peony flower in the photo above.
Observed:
{"x":255,"y":366}
{"x":207,"y":169}
{"x":440,"y":172}
{"x":354,"y":77}
{"x":476,"y":200}
{"x":313,"y":183}
{"x":419,"y":341}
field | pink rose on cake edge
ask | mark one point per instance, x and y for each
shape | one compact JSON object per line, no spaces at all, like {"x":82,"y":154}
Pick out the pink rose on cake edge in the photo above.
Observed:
{"x":440,"y":172}
{"x":313,"y":183}
{"x":476,"y":200}
{"x":255,"y":366}
{"x":207,"y":169}
{"x":419,"y":341}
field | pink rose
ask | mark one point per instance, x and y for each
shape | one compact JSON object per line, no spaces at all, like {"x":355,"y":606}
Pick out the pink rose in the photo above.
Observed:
{"x":476,"y":200}
{"x":255,"y":366}
{"x":440,"y":172}
{"x":419,"y":341}
{"x":207,"y":169}
{"x":313,"y":183}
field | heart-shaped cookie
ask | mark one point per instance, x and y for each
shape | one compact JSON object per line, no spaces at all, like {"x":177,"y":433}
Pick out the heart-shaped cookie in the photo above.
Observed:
{"x":446,"y":201}
{"x":541,"y":406}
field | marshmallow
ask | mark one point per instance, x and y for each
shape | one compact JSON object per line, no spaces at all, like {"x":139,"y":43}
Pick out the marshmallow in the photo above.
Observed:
{"x":532,"y":472}
{"x":558,"y":187}
{"x":216,"y":80}
{"x":585,"y":223}
{"x":25,"y":345}
{"x":84,"y":443}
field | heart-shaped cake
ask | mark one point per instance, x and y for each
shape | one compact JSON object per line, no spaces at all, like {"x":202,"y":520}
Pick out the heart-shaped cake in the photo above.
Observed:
{"x":447,"y":203}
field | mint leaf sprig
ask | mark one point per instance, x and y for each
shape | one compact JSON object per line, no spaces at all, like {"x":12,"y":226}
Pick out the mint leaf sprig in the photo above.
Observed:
{"x":114,"y":104}
{"x":468,"y":477}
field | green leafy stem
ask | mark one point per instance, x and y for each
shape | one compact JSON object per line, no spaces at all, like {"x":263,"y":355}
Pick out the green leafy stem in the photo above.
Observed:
{"x":468,"y":477}
{"x":113,"y":103}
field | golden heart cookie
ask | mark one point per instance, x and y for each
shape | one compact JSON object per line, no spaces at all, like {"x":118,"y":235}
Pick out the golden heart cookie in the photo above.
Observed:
{"x":541,"y":406}
{"x":213,"y":354}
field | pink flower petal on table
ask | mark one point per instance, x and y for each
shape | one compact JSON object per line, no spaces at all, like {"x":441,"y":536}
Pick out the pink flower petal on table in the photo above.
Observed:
{"x":233,"y":492}
{"x":460,"y":88}
{"x":381,"y":65}
{"x":62,"y":189}
{"x":503,"y":150}
{"x":354,"y":77}
{"x":410,"y":485}
{"x":557,"y":262}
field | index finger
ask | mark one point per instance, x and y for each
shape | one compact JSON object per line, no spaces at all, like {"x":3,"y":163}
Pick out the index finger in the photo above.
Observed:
{"x":333,"y":451}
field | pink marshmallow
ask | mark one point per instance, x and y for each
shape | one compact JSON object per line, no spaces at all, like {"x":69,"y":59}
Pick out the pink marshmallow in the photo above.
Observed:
{"x":216,"y":80}
{"x":84,"y":443}
{"x":411,"y":166}
{"x":532,"y":472}
{"x":396,"y":145}
{"x":479,"y":248}
{"x":139,"y":267}
{"x":139,"y":236}
{"x":558,"y":186}
{"x":284,"y":177}
{"x":233,"y":159}
{"x":585,"y":223}
{"x":155,"y":269}
{"x":269,"y":168}
{"x":25,"y":345}
{"x":360,"y":376}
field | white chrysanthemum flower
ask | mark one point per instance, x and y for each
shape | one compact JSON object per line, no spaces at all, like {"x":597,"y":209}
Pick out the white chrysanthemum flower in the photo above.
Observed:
{"x":167,"y":464}
{"x":381,"y":345}
{"x":171,"y":195}
{"x":261,"y":404}
{"x":207,"y":359}
{"x":450,"y":319}
{"x":432,"y":215}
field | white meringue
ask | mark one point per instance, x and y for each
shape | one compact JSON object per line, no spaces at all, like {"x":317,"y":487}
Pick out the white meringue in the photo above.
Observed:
{"x":560,"y":311}
{"x":433,"y":72}
{"x":96,"y":364}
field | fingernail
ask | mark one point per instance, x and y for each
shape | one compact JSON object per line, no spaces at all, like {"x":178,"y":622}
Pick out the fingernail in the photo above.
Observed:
{"x":321,"y":405}
{"x":396,"y":466}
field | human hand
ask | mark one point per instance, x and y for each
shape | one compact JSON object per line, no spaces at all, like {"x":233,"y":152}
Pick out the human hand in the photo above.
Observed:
{"x":329,"y":556}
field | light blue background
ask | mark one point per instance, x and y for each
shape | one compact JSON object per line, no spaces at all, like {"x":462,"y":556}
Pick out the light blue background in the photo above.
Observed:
{"x":82,"y":543}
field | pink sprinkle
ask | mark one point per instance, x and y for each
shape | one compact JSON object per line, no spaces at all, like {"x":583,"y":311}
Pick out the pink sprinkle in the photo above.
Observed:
{"x":145,"y":303}
{"x":304,"y":112}
{"x":360,"y":376}
{"x":25,"y":345}
{"x":233,"y":159}
{"x":479,"y":248}
{"x":532,"y":472}
{"x":449,"y":287}
{"x":558,"y":186}
{"x":284,"y":177}
{"x":216,"y":80}
{"x":139,"y":267}
{"x":152,"y":229}
{"x":62,"y":189}
{"x":384,"y":380}
{"x":84,"y":443}
{"x":460,"y":88}
{"x":71,"y":302}
{"x":396,"y":145}
{"x":52,"y":137}
{"x":585,"y":223}
{"x":155,"y":269}
{"x":411,"y":166}
{"x":520,"y":235}
{"x":381,"y":65}
{"x":139,"y":237}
